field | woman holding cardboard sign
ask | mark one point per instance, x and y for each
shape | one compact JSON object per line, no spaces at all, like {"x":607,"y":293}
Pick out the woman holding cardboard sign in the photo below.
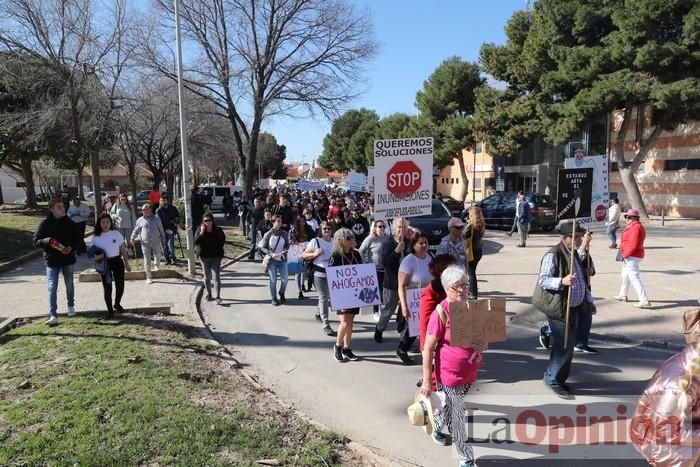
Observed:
{"x":344,"y":254}
{"x":455,"y":367}
{"x":414,"y":275}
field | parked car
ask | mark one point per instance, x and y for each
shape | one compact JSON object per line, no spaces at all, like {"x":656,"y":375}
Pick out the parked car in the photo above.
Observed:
{"x":499,"y":210}
{"x":455,"y":207}
{"x":141,"y":197}
{"x":434,"y":224}
{"x":91,"y":195}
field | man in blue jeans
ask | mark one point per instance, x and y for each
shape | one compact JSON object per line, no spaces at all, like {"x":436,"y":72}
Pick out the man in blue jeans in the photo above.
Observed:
{"x":554,"y":279}
{"x":170,"y":218}
{"x":254,"y":216}
{"x":58,"y":236}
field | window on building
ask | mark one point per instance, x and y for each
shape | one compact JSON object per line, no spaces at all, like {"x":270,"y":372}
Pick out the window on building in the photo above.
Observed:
{"x":452,"y":180}
{"x":682,"y":164}
{"x":457,"y":181}
{"x":477,"y":184}
{"x":20,"y":185}
{"x":598,"y":136}
{"x":479,"y":148}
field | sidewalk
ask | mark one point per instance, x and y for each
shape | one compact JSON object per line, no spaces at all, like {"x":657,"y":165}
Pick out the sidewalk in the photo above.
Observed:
{"x":669,"y":273}
{"x":24,"y":292}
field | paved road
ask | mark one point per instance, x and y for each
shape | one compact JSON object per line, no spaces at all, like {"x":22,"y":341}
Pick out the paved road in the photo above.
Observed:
{"x":366,"y":400}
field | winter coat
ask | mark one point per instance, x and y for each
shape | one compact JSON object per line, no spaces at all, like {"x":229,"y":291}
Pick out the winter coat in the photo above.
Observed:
{"x":63,"y":230}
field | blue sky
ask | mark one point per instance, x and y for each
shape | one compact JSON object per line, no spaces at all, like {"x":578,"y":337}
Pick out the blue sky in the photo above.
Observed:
{"x":414,"y":36}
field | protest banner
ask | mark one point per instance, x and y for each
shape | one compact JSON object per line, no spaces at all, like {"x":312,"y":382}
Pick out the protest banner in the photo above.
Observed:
{"x":413,"y":297}
{"x":310,"y":185}
{"x":353,"y":286}
{"x":295,"y":260}
{"x":403,"y":182}
{"x":357,"y":181}
{"x":600,"y":197}
{"x":574,"y":193}
{"x":482,"y":320}
{"x":370,"y":180}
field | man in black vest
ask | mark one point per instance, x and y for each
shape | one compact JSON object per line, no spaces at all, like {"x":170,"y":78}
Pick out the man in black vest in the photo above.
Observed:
{"x":553,"y":284}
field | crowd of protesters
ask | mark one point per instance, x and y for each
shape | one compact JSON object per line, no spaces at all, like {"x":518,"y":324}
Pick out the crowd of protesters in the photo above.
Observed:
{"x":335,"y":229}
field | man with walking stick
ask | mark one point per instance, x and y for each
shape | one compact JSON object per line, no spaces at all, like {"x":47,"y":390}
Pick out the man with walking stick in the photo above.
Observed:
{"x":562,"y":294}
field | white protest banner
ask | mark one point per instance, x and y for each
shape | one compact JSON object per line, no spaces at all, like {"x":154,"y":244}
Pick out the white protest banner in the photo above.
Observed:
{"x":295,"y":261}
{"x":357,"y":181}
{"x":482,"y":320}
{"x":353,"y":286}
{"x":370,"y":179}
{"x":599,"y":195}
{"x":403,"y":177}
{"x":413,"y":298}
{"x":310,"y":185}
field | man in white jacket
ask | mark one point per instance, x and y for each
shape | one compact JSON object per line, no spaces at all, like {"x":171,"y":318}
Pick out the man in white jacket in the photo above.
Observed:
{"x":612,"y":225}
{"x":79,"y":213}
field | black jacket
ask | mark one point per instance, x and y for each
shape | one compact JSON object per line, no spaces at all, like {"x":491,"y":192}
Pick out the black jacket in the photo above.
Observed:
{"x":169,"y":217}
{"x":211,"y":244}
{"x":359,"y":227}
{"x":286,"y":213}
{"x":392,"y":261}
{"x":255,"y":215}
{"x":65,"y":231}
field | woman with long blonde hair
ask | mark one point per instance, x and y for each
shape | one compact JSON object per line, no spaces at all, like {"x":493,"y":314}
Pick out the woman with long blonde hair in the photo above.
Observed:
{"x":474,"y":234}
{"x":344,"y":254}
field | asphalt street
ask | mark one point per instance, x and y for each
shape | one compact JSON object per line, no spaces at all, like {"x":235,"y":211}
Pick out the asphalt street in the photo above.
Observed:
{"x":513,"y":418}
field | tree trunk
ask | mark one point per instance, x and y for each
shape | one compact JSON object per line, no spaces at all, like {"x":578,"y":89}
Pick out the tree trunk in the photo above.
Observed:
{"x":634,"y":196}
{"x":28,"y":175}
{"x":132,"y":181}
{"x":463,"y":172}
{"x":80,"y":183}
{"x":2,"y":200}
{"x":170,"y":185}
{"x":96,"y":185}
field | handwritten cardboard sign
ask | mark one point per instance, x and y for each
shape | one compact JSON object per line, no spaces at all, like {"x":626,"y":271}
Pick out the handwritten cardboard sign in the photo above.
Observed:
{"x":353,"y":286}
{"x":413,"y":299}
{"x":482,"y":320}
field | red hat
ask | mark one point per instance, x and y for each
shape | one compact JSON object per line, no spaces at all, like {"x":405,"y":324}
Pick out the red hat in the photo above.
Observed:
{"x":632,"y":213}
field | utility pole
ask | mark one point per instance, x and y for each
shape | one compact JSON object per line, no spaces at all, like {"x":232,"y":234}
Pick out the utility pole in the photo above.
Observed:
{"x":183,"y":146}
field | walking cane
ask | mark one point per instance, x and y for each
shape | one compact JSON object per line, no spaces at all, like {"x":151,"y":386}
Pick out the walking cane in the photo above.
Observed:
{"x":568,"y":295}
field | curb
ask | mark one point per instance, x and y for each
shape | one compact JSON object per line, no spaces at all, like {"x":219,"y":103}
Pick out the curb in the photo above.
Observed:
{"x":527,"y":319}
{"x":13,"y":263}
{"x":375,"y":460}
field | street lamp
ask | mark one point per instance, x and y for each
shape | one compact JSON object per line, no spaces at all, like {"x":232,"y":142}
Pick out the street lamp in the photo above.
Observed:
{"x":183,"y":146}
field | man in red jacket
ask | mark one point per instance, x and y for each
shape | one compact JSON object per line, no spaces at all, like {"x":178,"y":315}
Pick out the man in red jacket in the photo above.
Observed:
{"x":632,"y":251}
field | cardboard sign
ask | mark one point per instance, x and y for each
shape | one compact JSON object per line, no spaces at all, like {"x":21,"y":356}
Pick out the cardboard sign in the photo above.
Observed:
{"x":599,"y":193}
{"x":413,"y":298}
{"x":370,"y":180}
{"x":575,"y":193}
{"x":353,"y":286}
{"x":482,"y":320}
{"x":403,"y":177}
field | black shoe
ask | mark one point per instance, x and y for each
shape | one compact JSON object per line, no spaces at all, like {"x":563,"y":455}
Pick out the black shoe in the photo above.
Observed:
{"x":586,"y":349}
{"x":329,"y":331}
{"x":118,"y":308}
{"x":283,"y":301}
{"x":403,"y":355}
{"x":219,"y":301}
{"x":613,"y":247}
{"x":347,"y":353}
{"x":209,"y":298}
{"x":110,"y":314}
{"x":317,"y":316}
{"x":338,"y":353}
{"x":275,"y":302}
{"x":561,"y":390}
{"x":378,"y":337}
{"x":301,"y":296}
{"x":439,"y":438}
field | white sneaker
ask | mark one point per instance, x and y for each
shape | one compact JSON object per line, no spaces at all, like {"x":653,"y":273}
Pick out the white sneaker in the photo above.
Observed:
{"x":52,"y":321}
{"x":376,"y":317}
{"x":620,"y":298}
{"x":157,"y":267}
{"x":149,"y":280}
{"x":643,"y":305}
{"x":71,"y":311}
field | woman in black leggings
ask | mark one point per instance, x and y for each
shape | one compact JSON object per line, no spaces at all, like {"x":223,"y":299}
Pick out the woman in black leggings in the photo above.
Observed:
{"x":110,"y":254}
{"x":210,"y":239}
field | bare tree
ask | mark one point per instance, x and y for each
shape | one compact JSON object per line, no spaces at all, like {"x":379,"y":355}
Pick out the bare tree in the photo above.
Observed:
{"x":257,"y":59}
{"x":87,"y":47}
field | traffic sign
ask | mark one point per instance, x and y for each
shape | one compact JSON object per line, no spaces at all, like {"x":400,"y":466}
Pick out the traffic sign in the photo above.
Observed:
{"x":403,"y":178}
